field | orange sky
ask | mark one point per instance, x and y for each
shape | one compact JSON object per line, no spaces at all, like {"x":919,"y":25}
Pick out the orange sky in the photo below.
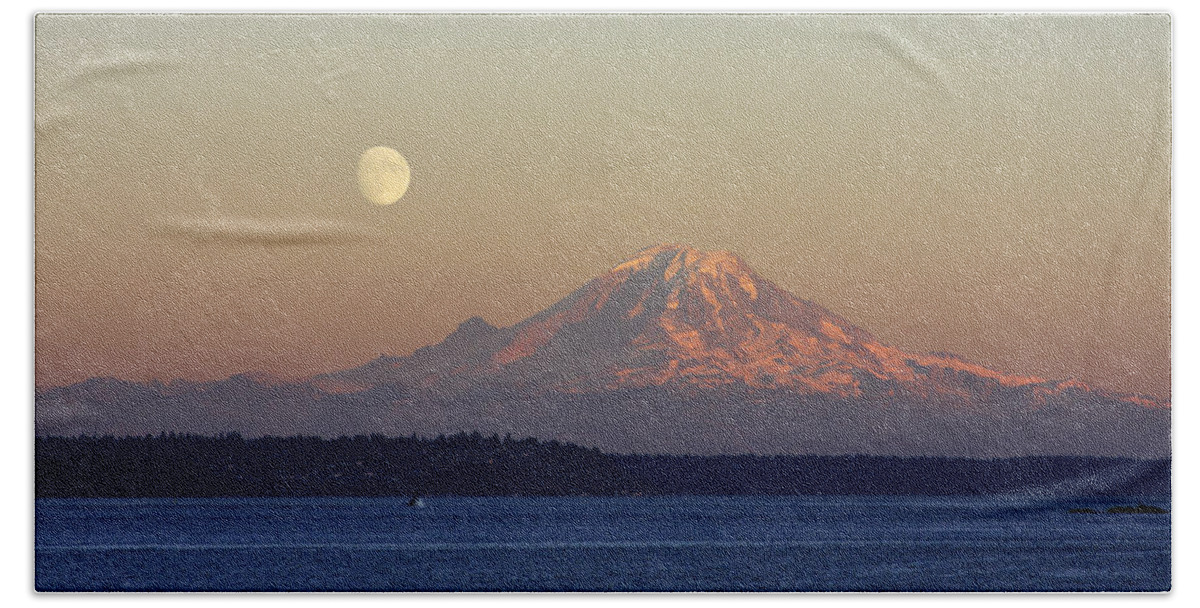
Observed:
{"x":993,"y":186}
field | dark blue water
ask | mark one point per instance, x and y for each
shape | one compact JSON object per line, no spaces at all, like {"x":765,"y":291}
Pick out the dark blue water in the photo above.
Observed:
{"x":600,"y":544}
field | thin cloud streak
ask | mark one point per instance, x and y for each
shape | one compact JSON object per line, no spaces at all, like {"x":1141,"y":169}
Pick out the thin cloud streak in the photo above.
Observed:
{"x":263,"y":232}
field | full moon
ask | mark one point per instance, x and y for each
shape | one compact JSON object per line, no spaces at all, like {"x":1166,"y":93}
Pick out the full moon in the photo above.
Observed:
{"x":382,"y":175}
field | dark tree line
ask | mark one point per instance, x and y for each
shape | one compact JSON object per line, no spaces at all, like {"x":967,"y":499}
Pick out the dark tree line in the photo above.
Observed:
{"x":177,"y":465}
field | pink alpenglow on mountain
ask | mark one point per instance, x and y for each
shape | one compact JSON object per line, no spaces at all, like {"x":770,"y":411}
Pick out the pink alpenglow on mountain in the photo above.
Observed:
{"x":673,"y":350}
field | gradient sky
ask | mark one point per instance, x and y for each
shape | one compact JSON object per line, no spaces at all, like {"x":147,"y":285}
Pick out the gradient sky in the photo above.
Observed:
{"x":993,"y":186}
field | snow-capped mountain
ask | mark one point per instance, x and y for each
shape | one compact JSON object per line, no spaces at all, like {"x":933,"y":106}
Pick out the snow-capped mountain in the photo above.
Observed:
{"x":672,"y":350}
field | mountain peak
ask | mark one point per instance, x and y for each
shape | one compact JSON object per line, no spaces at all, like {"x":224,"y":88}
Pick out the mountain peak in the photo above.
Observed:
{"x":471,"y":330}
{"x":475,"y":324}
{"x":676,"y":257}
{"x":673,"y":315}
{"x":674,"y":349}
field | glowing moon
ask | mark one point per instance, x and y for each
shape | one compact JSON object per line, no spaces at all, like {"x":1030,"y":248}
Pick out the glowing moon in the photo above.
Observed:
{"x":382,"y":175}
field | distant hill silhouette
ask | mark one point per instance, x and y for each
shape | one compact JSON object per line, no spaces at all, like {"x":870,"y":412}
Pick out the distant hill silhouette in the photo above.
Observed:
{"x":475,"y":465}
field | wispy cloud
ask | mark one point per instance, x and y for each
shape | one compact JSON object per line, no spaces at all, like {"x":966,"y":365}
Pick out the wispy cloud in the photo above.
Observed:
{"x":263,"y":232}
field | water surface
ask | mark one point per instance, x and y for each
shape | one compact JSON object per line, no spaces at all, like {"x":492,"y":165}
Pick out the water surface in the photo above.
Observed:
{"x":804,"y":543}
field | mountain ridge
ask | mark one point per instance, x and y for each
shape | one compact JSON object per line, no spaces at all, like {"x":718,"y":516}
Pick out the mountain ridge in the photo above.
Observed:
{"x":806,"y":336}
{"x":672,"y":348}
